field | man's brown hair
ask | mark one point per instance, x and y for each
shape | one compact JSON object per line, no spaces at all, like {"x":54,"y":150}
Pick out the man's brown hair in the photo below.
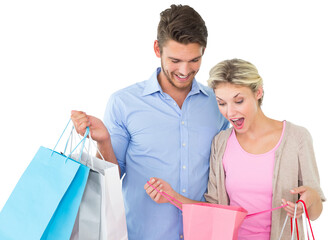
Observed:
{"x":182,"y":24}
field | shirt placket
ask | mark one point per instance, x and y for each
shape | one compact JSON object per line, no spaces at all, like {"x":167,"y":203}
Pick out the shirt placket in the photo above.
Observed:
{"x":184,"y":153}
{"x":184,"y":148}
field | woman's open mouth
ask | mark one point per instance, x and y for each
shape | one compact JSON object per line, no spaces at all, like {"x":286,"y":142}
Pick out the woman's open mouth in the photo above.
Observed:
{"x":238,"y":123}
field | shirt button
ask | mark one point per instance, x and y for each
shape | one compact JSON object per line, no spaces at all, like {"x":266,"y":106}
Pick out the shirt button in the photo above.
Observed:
{"x":181,"y":236}
{"x":183,"y":122}
{"x":184,"y":144}
{"x":184,"y":167}
{"x":184,"y":190}
{"x":175,"y":103}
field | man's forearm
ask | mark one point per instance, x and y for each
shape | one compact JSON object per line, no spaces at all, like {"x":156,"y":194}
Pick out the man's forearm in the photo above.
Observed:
{"x":107,"y":152}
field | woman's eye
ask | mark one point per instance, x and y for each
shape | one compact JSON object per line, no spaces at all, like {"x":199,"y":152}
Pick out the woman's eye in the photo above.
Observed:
{"x":241,"y":101}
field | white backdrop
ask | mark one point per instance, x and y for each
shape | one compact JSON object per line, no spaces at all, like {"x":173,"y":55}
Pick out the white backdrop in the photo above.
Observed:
{"x":56,"y":56}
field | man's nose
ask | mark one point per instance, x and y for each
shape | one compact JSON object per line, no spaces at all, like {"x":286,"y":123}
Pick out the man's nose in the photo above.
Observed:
{"x":184,"y":69}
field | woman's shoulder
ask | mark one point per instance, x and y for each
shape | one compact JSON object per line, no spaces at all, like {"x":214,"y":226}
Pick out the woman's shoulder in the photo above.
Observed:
{"x":223,"y":135}
{"x":296,"y":131}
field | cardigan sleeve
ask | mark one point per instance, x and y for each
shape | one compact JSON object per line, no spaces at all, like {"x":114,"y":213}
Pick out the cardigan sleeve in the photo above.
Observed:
{"x":308,"y":175}
{"x":216,"y":192}
{"x":211,"y":194}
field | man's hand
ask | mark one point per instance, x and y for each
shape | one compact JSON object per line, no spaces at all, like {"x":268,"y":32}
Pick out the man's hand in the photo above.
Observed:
{"x":160,"y":185}
{"x":98,"y":130}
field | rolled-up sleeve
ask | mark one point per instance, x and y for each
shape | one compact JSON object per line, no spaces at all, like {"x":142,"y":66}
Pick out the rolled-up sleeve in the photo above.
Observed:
{"x":114,"y":120}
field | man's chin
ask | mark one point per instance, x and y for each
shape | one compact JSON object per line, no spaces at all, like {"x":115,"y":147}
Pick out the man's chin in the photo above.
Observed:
{"x":183,"y":85}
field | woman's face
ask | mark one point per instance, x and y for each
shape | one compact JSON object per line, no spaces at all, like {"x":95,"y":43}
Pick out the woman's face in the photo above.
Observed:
{"x":238,"y":104}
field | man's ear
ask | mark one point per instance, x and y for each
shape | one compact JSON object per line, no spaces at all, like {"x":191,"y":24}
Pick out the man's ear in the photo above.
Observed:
{"x":203,"y":50}
{"x":157,"y":49}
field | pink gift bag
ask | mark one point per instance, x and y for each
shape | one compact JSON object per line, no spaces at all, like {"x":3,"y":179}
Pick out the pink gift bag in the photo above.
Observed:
{"x":211,"y":221}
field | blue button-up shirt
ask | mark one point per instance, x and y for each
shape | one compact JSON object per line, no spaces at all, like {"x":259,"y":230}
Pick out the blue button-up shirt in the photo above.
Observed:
{"x":153,"y":137}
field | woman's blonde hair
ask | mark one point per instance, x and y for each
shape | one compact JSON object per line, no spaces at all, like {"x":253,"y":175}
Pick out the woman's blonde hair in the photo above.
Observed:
{"x":238,"y":72}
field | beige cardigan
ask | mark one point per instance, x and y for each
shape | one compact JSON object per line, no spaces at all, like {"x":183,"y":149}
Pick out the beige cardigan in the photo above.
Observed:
{"x":295,"y":165}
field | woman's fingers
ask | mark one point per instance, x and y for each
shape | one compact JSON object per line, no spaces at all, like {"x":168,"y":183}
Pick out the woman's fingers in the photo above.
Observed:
{"x":290,"y":209}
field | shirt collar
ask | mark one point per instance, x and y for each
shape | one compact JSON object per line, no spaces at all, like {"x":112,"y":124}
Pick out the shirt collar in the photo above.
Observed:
{"x":152,"y":86}
{"x":197,"y":88}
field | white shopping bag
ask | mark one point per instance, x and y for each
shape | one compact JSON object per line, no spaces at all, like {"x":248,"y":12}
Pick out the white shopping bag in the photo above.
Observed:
{"x":114,"y":213}
{"x":101,"y":215}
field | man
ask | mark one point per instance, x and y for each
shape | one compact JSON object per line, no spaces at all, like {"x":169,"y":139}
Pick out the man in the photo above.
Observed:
{"x":162,"y":127}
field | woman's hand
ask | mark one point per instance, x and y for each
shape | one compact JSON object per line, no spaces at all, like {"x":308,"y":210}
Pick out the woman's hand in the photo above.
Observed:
{"x":312,"y":199}
{"x":160,"y":185}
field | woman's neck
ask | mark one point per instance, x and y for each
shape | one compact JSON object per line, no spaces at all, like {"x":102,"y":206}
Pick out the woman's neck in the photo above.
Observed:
{"x":262,"y":136}
{"x":260,"y":126}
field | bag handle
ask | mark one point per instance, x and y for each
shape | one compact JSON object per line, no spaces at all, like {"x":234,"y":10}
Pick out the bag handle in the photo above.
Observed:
{"x":83,"y":144}
{"x":89,"y":148}
{"x":61,"y":137}
{"x":70,"y":138}
{"x":305,"y":220}
{"x":82,"y":141}
{"x":294,"y":222}
{"x":265,"y":211}
{"x":171,"y":199}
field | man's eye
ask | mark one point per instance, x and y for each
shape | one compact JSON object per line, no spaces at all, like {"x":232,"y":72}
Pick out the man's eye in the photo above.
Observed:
{"x":196,"y":60}
{"x":175,"y":61}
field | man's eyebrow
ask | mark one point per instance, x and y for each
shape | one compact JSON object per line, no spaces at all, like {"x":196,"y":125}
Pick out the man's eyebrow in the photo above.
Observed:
{"x":196,"y":58}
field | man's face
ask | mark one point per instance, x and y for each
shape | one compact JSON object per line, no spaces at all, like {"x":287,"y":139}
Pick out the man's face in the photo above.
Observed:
{"x":180,"y":63}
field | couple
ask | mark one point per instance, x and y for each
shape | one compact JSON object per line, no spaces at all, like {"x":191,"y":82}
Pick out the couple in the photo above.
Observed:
{"x":170,"y":127}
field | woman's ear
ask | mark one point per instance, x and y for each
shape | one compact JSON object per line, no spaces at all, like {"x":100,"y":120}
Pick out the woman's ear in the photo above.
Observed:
{"x":259,"y":93}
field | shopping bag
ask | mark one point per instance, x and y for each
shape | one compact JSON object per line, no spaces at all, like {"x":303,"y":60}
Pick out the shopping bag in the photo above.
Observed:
{"x":308,"y":231}
{"x":45,"y":201}
{"x":101,"y":214}
{"x":87,"y":223}
{"x":209,"y":221}
{"x":113,"y":205}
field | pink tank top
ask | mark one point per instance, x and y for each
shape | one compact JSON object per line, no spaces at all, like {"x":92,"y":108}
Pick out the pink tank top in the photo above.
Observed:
{"x":248,"y":181}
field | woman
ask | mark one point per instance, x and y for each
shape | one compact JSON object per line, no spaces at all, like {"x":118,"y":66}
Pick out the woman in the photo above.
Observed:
{"x":258,"y":164}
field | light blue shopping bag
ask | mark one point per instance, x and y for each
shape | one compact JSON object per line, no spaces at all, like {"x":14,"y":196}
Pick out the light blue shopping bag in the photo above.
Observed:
{"x":46,"y":199}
